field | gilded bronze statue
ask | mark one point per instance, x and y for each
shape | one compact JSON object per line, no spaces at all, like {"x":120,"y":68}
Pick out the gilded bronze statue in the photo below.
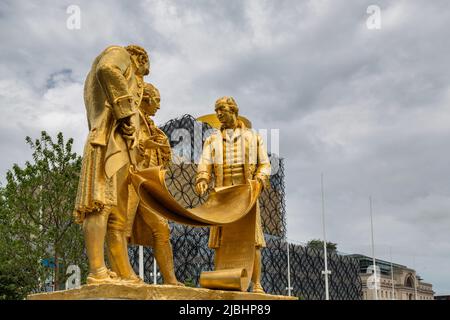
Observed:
{"x":113,"y":90}
{"x":122,"y":195}
{"x":146,"y":227}
{"x":234,"y":155}
{"x":123,"y":198}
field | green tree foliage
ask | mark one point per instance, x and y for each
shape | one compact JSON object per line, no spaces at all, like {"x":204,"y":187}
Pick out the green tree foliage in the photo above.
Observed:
{"x":318,"y":245}
{"x":36,"y":223}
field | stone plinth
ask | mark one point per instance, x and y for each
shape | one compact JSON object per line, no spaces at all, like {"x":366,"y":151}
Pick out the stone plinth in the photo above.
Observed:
{"x":150,"y":292}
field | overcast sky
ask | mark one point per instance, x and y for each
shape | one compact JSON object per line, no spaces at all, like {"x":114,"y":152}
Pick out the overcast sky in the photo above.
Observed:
{"x":370,"y":108}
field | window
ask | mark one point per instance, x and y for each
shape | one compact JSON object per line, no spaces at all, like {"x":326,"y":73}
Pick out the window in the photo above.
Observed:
{"x":409,"y":281}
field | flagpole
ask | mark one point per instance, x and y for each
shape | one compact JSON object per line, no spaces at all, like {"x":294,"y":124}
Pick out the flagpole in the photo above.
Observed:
{"x":325,"y":272}
{"x":415,"y":277}
{"x":373,"y":251}
{"x":141,"y":262}
{"x":392,"y":274}
{"x":155,"y":275}
{"x":288,"y":269}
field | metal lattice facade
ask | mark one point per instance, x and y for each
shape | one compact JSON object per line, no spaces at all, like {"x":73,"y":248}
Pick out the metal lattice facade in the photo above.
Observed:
{"x":190,"y":244}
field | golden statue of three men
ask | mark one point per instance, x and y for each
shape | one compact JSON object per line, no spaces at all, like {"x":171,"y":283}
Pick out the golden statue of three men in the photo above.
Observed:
{"x":123,"y":142}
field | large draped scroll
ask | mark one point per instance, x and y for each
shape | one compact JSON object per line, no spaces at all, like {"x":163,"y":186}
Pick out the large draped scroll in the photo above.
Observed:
{"x":233,"y":208}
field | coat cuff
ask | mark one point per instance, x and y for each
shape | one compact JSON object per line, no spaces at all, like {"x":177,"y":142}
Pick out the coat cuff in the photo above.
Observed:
{"x":202,"y":176}
{"x":264,"y":179}
{"x":123,"y":107}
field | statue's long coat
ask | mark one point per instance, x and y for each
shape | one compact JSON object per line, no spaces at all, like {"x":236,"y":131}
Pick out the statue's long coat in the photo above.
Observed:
{"x":256,"y":164}
{"x":112,"y":78}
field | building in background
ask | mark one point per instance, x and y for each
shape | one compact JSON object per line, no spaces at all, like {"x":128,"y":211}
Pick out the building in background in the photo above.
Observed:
{"x":407,"y":284}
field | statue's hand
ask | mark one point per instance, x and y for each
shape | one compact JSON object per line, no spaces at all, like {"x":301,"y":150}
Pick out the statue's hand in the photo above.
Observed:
{"x":149,"y":144}
{"x":261,"y":182}
{"x":128,"y":131}
{"x":141,"y":147}
{"x":126,"y":126}
{"x":162,"y":139}
{"x":201,"y":187}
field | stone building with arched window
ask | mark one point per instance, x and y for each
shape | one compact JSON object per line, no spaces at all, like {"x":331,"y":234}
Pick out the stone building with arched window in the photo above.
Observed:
{"x":396,"y":281}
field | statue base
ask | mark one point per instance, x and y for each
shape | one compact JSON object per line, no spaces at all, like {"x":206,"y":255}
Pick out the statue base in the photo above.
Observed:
{"x":150,"y":292}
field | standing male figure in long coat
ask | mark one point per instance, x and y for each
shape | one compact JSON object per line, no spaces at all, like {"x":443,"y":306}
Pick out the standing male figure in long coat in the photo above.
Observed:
{"x":112,"y":92}
{"x":234,"y":154}
{"x":146,"y":227}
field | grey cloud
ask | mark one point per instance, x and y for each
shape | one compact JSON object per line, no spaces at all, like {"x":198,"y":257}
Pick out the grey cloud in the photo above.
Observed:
{"x":65,"y":75}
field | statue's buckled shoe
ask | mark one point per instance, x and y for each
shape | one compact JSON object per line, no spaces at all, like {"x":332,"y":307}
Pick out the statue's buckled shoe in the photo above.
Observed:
{"x":132,"y":280}
{"x":257,"y":288}
{"x":102,"y":277}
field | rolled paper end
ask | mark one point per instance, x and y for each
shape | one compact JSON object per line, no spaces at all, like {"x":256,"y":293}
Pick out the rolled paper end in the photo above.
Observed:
{"x":225,"y":279}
